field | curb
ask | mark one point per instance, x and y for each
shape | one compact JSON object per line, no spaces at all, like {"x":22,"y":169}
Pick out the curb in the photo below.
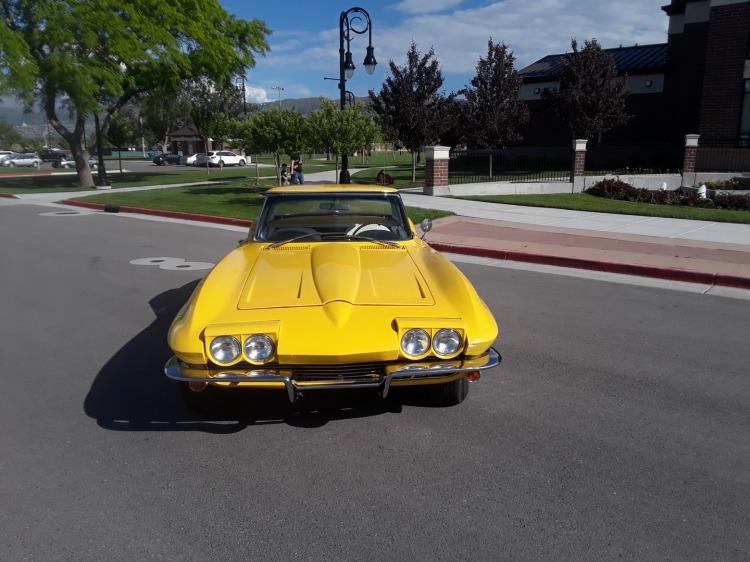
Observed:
{"x":159,"y":213}
{"x":668,"y":273}
{"x":8,"y":196}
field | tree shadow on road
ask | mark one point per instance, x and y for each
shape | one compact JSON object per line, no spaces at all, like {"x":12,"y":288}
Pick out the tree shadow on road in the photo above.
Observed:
{"x":131,"y":392}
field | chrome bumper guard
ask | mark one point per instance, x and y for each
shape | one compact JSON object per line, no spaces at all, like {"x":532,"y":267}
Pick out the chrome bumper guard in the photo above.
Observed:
{"x":421,"y":370}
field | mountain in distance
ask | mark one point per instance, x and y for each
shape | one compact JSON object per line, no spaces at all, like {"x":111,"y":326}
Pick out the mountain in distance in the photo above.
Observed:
{"x":305,"y":105}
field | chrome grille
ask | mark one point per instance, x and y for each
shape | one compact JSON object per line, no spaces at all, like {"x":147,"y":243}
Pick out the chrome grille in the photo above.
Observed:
{"x":338,"y":373}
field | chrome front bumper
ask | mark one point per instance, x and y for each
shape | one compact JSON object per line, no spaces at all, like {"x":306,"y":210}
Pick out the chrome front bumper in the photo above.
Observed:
{"x":421,"y":370}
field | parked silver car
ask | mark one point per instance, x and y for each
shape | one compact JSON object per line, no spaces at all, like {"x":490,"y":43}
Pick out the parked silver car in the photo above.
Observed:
{"x":28,"y":160}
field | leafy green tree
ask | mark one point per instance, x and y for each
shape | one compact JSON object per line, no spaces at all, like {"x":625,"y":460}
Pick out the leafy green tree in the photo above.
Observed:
{"x":410,"y":104}
{"x":213,"y":110}
{"x":9,"y":136}
{"x":98,"y":54}
{"x":591,"y":97}
{"x":494,"y":112}
{"x":162,"y":112}
{"x":278,"y":131}
{"x":122,"y":131}
{"x":341,"y":132}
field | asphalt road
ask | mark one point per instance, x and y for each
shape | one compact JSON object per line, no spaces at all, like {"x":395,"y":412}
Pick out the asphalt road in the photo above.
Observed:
{"x":618,"y":425}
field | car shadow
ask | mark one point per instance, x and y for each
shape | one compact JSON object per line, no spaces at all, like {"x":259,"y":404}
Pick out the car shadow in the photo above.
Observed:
{"x":131,"y":393}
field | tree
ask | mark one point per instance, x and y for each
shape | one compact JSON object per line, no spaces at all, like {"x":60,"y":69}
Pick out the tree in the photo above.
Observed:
{"x":591,"y":97}
{"x":122,"y":131}
{"x":213,"y":110}
{"x":162,"y":112}
{"x":410,"y":104}
{"x":98,"y":54}
{"x":279,"y":131}
{"x":341,"y":131}
{"x":494,"y":111}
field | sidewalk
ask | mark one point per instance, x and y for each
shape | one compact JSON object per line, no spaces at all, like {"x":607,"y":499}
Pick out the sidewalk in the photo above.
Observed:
{"x":682,"y":229}
{"x":692,"y":261}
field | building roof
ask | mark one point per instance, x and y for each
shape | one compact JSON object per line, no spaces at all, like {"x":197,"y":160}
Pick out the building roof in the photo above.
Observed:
{"x":640,"y":58}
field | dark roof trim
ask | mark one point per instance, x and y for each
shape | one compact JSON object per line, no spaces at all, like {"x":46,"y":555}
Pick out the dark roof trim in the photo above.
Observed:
{"x":638,"y":59}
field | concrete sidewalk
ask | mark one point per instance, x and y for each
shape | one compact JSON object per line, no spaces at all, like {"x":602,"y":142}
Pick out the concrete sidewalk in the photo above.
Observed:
{"x":725,"y":264}
{"x":702,"y":231}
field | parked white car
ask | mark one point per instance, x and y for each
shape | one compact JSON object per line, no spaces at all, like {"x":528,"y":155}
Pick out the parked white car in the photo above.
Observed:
{"x":6,"y":156}
{"x":226,"y":158}
{"x":29,"y":160}
{"x":191,"y":160}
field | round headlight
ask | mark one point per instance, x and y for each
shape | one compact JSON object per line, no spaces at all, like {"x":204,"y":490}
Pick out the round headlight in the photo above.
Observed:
{"x":446,"y":342}
{"x":225,"y":349}
{"x":259,"y":347}
{"x":415,"y":342}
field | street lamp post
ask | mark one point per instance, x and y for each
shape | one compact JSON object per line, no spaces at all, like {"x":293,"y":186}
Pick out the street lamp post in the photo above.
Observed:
{"x":352,"y":21}
{"x":279,"y":89}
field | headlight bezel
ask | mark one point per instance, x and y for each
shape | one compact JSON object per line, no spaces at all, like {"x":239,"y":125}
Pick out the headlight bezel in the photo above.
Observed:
{"x":259,"y":336}
{"x":231,"y":340}
{"x":417,"y":331}
{"x":451,"y":331}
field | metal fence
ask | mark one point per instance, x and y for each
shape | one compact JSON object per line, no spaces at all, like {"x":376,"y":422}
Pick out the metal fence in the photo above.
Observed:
{"x":722,"y":156}
{"x":604,"y":160}
{"x":512,"y":164}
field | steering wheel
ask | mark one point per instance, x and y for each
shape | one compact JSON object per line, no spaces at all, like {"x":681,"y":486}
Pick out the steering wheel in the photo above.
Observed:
{"x":367,"y":226}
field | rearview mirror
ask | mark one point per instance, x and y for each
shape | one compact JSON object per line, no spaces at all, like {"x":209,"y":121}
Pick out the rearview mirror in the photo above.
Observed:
{"x":426,"y":226}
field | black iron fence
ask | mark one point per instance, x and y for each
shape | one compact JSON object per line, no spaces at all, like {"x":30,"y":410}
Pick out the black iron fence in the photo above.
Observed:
{"x":517,"y":164}
{"x":604,"y":160}
{"x":722,"y":156}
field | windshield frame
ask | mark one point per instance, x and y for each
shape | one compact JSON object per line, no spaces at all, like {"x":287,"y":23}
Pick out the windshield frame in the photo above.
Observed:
{"x":262,"y":218}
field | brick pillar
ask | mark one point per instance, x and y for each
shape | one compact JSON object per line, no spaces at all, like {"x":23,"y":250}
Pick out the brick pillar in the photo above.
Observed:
{"x":436,"y":172}
{"x":578,"y":171}
{"x":688,"y":161}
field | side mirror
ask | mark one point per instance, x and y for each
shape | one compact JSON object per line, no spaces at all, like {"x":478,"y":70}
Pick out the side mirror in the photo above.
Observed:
{"x":426,"y":226}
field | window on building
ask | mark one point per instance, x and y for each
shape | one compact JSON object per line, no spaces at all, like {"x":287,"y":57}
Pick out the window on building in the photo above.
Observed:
{"x":537,"y":91}
{"x":649,"y":83}
{"x":745,"y":120}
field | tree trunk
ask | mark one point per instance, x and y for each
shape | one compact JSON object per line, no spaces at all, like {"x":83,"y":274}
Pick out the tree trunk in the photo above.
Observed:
{"x":119,"y":159}
{"x":205,"y":145}
{"x":277,"y":163}
{"x":81,"y":157}
{"x":413,"y":167}
{"x":337,"y":168}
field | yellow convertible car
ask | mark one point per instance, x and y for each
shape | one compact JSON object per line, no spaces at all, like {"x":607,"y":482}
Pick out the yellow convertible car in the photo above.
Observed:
{"x":333,"y":289}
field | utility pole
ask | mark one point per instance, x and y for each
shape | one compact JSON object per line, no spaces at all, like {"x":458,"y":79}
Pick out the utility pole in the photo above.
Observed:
{"x":279,"y":89}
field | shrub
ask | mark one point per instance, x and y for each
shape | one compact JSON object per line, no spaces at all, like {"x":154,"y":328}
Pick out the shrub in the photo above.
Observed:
{"x":736,"y":202}
{"x":724,"y":185}
{"x":621,"y":191}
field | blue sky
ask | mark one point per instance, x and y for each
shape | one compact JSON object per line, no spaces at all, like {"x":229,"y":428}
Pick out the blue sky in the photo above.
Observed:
{"x":304,"y":45}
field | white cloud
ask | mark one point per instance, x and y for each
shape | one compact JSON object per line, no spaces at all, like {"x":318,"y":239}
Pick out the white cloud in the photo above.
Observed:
{"x":256,"y":94}
{"x":459,"y":37}
{"x":424,"y":6}
{"x":531,"y":29}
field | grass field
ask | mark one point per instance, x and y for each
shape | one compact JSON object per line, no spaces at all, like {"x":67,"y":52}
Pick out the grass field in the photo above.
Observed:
{"x":46,"y":184}
{"x":228,"y":201}
{"x":584,"y":202}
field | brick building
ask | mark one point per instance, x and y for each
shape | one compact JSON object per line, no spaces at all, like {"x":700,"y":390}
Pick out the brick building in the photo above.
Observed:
{"x":696,"y":82}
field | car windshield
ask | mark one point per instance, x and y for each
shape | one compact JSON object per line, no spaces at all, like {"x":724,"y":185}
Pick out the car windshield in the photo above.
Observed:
{"x":332,"y":217}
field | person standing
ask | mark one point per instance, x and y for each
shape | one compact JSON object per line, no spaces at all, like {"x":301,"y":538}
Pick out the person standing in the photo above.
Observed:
{"x":299,"y":171}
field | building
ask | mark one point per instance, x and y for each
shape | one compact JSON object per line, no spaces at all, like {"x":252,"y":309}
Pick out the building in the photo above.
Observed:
{"x":696,"y":82}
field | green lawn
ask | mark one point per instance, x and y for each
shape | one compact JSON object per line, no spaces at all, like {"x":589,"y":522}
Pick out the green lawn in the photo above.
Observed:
{"x":584,"y":202}
{"x":15,"y":170}
{"x":42,"y":184}
{"x":401,"y":176}
{"x":229,"y":201}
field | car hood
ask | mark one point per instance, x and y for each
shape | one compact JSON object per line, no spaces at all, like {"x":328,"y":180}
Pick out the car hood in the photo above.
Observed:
{"x":317,"y":274}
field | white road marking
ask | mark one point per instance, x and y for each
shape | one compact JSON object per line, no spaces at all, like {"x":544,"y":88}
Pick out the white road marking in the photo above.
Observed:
{"x":173,"y":264}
